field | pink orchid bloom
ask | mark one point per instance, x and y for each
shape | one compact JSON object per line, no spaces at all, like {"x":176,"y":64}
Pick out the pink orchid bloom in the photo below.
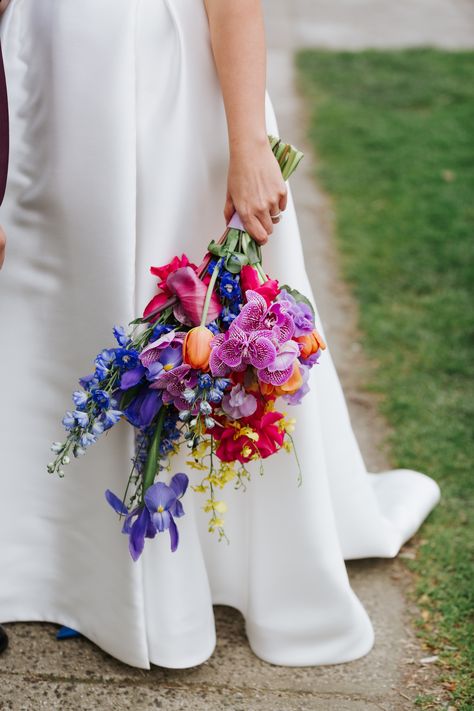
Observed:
{"x":191,"y":292}
{"x":257,"y":315}
{"x":260,"y":336}
{"x":238,"y":348}
{"x":282,"y":367}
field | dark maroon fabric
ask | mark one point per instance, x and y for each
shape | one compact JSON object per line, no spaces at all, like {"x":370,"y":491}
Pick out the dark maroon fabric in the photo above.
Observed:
{"x":3,"y":130}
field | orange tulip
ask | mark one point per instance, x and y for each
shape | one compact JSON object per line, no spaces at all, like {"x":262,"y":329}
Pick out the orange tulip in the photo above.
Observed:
{"x":311,"y":343}
{"x":293,"y":384}
{"x":267,"y":389}
{"x":197,"y":347}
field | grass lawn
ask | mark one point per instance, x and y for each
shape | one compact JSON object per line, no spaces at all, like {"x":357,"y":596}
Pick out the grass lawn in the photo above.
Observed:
{"x":394,"y":133}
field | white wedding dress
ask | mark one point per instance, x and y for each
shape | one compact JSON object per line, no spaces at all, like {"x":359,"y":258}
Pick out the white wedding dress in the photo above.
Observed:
{"x":118,"y":162}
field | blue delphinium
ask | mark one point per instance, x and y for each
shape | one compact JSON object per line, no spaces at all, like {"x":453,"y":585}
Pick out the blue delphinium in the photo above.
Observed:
{"x":126,"y":358}
{"x":80,"y":398}
{"x":214,"y":327}
{"x":120,"y":336}
{"x":103,"y":362}
{"x":101,"y":398}
{"x":159,"y":330}
{"x":229,"y":287}
{"x":170,"y":432}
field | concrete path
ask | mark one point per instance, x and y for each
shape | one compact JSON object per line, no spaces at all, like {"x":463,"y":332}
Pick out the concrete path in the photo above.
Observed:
{"x":40,"y":673}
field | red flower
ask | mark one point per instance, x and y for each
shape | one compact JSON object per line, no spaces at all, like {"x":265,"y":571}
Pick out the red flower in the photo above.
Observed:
{"x":238,"y":444}
{"x":249,"y":279}
{"x":154,"y":303}
{"x":163,"y":272}
{"x":269,"y":290}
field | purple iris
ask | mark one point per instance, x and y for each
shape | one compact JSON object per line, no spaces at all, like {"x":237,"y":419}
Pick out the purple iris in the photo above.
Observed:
{"x":143,"y":408}
{"x":162,"y":506}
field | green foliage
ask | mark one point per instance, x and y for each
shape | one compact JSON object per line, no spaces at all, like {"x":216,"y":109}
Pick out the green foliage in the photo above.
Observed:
{"x":394,"y":134}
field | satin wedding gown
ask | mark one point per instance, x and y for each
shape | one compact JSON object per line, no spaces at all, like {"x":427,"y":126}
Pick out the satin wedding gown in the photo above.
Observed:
{"x":118,"y":161}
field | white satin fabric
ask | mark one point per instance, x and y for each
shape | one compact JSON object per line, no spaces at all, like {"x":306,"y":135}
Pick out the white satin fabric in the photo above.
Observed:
{"x":118,"y":161}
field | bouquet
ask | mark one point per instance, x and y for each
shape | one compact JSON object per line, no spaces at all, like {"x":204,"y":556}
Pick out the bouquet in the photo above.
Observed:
{"x":203,"y":368}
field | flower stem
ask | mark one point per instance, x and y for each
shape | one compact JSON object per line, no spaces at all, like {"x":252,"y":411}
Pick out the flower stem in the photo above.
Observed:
{"x":209,"y":291}
{"x":153,"y":453}
{"x":261,"y":272}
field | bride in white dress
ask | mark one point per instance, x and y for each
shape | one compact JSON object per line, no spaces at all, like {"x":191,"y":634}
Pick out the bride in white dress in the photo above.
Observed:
{"x":119,"y":160}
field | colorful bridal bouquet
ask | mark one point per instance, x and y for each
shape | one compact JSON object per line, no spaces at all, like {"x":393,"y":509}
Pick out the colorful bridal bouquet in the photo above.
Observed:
{"x":204,"y":366}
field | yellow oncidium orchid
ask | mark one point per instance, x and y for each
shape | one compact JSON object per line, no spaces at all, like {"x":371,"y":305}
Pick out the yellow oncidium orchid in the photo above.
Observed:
{"x":215,"y":523}
{"x":245,"y":431}
{"x":196,"y":465}
{"x":219,"y":506}
{"x":201,"y":449}
{"x":287,"y":424}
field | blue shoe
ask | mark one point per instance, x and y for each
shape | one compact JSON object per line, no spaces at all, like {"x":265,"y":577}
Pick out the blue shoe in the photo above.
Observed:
{"x":67,"y":633}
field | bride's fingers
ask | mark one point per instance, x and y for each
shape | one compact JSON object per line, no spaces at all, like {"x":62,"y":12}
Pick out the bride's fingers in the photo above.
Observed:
{"x":264,"y":218}
{"x":275,"y":213}
{"x":255,"y":228}
{"x":283,"y":201}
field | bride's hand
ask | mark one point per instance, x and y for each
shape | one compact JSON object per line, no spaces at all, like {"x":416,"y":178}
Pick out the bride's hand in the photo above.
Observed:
{"x":255,"y":189}
{"x":3,"y":5}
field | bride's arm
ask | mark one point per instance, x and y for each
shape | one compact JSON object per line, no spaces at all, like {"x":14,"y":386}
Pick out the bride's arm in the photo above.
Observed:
{"x":255,"y":186}
{"x":3,"y":5}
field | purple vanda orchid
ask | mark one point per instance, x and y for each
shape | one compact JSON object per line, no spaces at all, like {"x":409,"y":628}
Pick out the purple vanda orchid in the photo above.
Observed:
{"x":173,"y":383}
{"x":163,"y":354}
{"x":260,"y":336}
